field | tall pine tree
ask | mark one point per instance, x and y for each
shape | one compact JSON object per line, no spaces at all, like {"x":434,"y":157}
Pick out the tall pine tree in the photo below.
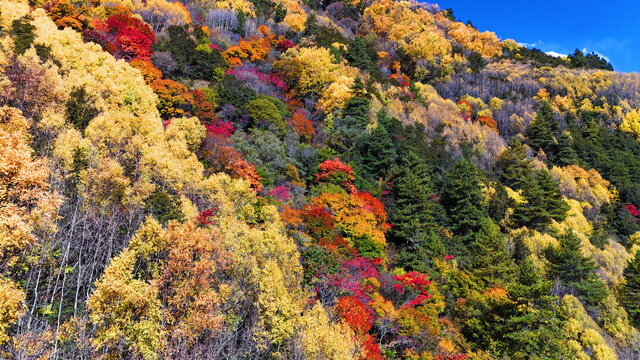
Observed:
{"x":377,"y":153}
{"x":516,"y":167}
{"x":420,"y":254}
{"x":543,"y":203}
{"x":490,"y":258}
{"x":414,"y":211}
{"x":463,"y":198}
{"x":566,"y":151}
{"x":541,"y":131}
{"x":575,"y":271}
{"x":630,"y":293}
{"x":358,"y":55}
{"x":358,"y":105}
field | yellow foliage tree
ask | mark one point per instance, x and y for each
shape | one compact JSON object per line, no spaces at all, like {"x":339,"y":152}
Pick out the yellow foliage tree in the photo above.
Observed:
{"x":583,"y":333}
{"x":631,"y":123}
{"x":28,"y":208}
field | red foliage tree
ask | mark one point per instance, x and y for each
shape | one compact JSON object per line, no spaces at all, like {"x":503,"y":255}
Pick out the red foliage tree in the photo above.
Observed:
{"x":354,"y":312}
{"x":374,"y":206}
{"x":335,"y":172}
{"x":632,"y":210}
{"x":133,"y":38}
{"x":219,"y":155}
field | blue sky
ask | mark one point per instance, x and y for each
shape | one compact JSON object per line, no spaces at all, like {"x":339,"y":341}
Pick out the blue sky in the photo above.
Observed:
{"x":610,"y":28}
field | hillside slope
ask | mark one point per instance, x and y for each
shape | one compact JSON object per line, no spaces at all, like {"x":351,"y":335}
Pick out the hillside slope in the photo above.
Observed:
{"x":309,"y":180}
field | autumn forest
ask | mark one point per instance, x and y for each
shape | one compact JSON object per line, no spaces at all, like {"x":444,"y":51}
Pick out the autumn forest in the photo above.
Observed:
{"x":310,"y":179}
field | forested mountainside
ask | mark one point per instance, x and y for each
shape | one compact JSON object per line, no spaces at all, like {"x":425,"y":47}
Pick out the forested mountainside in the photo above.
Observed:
{"x":285,"y":179}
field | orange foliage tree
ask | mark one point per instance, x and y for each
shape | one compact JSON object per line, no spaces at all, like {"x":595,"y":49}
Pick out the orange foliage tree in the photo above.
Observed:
{"x":174,"y":100}
{"x":302,"y":126}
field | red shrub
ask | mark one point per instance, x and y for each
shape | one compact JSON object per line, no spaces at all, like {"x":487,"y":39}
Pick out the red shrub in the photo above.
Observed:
{"x":335,"y":172}
{"x":353,"y":312}
{"x":632,"y":210}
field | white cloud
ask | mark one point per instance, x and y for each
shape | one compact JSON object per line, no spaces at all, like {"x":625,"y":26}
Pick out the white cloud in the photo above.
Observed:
{"x":555,"y":54}
{"x":584,"y":50}
{"x":528,"y":45}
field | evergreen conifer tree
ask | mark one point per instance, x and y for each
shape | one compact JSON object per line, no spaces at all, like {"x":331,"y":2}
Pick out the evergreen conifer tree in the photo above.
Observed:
{"x":541,"y":131}
{"x":415,"y":211}
{"x":543,"y":203}
{"x":530,"y":286}
{"x":566,"y":152}
{"x":490,"y":259}
{"x":378,"y":153}
{"x":553,"y":200}
{"x":631,"y":289}
{"x":463,"y":198}
{"x":575,"y":270}
{"x":516,"y":168}
{"x":499,"y":203}
{"x":358,"y":105}
{"x":420,"y":254}
{"x":358,"y":55}
{"x":241,"y":23}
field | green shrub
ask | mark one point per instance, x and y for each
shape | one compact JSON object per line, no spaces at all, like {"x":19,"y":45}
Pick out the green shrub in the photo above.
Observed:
{"x":262,"y":109}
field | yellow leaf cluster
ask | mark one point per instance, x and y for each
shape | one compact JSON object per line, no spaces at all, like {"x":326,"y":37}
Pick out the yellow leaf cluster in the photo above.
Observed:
{"x":11,"y":11}
{"x":236,"y":5}
{"x":410,"y":26}
{"x":486,"y":43}
{"x":27,"y":205}
{"x":631,"y":122}
{"x":350,"y":213}
{"x":336,"y":94}
{"x":125,"y":308}
{"x":322,"y":340}
{"x":317,"y":68}
{"x":112,"y":84}
{"x":580,"y":184}
{"x":583,"y":333}
{"x":26,"y":202}
{"x":296,"y":17}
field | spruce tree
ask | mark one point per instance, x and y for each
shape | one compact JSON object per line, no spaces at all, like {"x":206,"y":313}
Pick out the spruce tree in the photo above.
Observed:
{"x":377,"y":153}
{"x":241,"y":23}
{"x":574,"y":270}
{"x":566,"y":152}
{"x":358,"y":105}
{"x":516,"y":168}
{"x":358,"y":55}
{"x":420,"y":254}
{"x":415,"y":212}
{"x":499,"y":203}
{"x":592,"y":129}
{"x":532,"y":211}
{"x":535,"y":330}
{"x":631,"y":289}
{"x":541,"y":131}
{"x":543,"y":203}
{"x":553,"y":200}
{"x":490,"y":259}
{"x":530,"y":287}
{"x":463,"y":198}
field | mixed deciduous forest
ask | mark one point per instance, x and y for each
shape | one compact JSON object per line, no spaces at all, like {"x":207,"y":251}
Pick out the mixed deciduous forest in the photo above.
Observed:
{"x":309,"y":179}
